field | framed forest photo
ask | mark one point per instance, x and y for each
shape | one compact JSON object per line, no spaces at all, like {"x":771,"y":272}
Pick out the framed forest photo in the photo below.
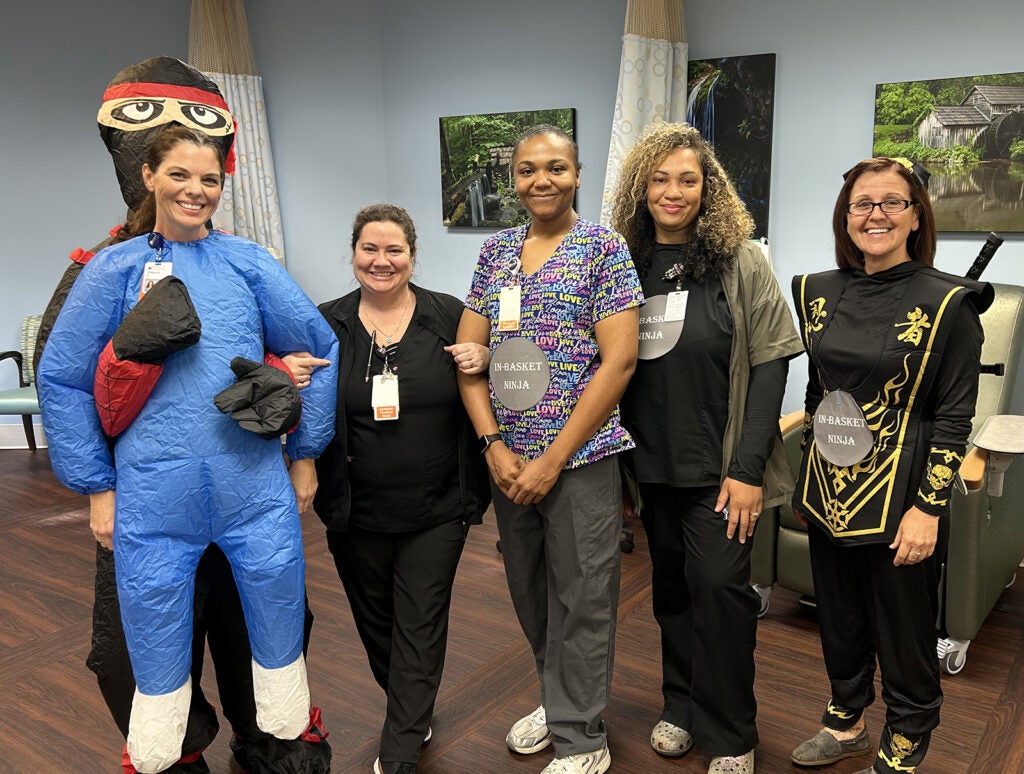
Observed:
{"x":969,"y":134}
{"x":477,"y":189}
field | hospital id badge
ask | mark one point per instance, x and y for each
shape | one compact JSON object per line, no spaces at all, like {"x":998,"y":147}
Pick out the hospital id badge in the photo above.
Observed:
{"x":675,"y":307}
{"x":384,"y":398}
{"x":152,"y":273}
{"x":509,"y":301}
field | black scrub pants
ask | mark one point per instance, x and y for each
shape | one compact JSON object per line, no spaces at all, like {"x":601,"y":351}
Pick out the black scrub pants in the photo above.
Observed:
{"x":399,"y":586}
{"x":707,"y":612}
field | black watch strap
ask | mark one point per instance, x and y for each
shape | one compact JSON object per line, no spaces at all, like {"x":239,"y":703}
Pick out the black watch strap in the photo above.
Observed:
{"x":487,"y":440}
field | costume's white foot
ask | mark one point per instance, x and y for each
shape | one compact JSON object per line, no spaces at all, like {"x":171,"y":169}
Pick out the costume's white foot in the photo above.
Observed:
{"x":156,"y":728}
{"x":282,"y":699}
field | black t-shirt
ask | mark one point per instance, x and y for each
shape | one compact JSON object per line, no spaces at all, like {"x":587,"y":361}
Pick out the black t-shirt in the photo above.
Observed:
{"x":676,"y":406}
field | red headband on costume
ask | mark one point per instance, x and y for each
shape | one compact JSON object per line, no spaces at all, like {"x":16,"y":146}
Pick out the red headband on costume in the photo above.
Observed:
{"x":187,"y":93}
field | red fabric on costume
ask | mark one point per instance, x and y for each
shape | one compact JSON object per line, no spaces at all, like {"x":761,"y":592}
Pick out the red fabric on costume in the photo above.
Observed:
{"x":315,"y":732}
{"x":270,"y":359}
{"x":121,"y":388}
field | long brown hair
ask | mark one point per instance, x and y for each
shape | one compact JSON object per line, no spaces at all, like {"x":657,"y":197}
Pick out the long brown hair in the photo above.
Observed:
{"x":143,"y":219}
{"x":920,"y":244}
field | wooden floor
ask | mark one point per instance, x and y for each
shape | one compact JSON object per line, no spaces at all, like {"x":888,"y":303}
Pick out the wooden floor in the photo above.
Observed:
{"x":52,"y":718}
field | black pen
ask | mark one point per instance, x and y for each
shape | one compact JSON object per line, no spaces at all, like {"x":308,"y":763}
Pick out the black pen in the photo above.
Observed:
{"x":373,"y":337}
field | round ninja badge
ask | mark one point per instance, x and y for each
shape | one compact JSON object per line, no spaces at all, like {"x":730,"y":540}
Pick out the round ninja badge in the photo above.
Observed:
{"x":840,"y":431}
{"x":658,"y":332}
{"x":519,"y":373}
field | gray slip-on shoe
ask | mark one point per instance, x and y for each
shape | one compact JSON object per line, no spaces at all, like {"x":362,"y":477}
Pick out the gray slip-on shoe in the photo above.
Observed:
{"x":823,"y":749}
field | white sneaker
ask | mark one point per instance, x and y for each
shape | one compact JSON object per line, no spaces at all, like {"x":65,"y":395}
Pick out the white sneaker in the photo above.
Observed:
{"x":596,"y":762}
{"x":670,"y":740}
{"x":529,"y":734}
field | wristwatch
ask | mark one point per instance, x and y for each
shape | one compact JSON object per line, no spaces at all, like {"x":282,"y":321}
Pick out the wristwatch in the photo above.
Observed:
{"x":487,"y":440}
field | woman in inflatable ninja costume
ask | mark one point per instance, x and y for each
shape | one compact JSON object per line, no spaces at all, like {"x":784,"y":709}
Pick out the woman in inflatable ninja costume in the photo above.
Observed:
{"x":139,"y":102}
{"x":186,"y":474}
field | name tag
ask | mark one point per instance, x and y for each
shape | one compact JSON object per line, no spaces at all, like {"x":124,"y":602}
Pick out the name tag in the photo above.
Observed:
{"x":152,"y":273}
{"x":509,"y":304}
{"x":384,"y":397}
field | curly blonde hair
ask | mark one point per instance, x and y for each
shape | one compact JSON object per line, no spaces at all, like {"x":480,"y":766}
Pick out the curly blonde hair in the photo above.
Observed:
{"x":723,"y":223}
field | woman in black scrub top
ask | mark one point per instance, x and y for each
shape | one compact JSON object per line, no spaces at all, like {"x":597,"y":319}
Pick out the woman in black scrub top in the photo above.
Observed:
{"x":403,"y":478}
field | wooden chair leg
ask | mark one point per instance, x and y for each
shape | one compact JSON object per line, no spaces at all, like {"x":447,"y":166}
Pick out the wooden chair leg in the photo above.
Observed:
{"x":30,"y":432}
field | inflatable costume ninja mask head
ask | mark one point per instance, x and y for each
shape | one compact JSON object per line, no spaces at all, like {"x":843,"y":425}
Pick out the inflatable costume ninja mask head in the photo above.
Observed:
{"x":142,"y":100}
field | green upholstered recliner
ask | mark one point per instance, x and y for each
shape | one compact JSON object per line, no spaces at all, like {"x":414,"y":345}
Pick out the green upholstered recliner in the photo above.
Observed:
{"x":23,"y":399}
{"x":986,"y":542}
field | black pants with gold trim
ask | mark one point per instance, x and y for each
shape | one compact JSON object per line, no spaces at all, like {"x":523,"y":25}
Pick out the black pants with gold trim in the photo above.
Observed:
{"x":869,"y":608}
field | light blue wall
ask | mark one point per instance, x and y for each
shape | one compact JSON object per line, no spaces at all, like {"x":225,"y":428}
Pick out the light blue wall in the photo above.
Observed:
{"x":829,"y":56}
{"x":321,"y":66}
{"x":354,"y":90}
{"x":59,"y":191}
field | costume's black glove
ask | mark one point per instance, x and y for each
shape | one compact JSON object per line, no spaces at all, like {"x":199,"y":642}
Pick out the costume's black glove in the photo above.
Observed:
{"x":264,"y":400}
{"x":162,"y":323}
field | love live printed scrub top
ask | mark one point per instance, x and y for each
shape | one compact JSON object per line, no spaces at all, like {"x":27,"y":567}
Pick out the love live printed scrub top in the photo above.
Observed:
{"x":589,"y":277}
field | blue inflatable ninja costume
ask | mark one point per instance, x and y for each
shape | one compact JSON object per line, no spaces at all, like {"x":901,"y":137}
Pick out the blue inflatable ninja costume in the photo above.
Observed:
{"x":186,"y":475}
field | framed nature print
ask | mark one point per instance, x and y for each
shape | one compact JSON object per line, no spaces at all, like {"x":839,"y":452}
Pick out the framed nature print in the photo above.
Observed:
{"x":968,"y":133}
{"x":477,"y":190}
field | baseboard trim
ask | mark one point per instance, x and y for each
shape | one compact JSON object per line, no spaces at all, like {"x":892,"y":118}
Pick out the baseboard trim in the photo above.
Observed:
{"x":12,"y":436}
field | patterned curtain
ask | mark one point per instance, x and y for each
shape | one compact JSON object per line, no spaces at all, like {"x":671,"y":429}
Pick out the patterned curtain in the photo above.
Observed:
{"x":652,"y":80}
{"x":220,"y":46}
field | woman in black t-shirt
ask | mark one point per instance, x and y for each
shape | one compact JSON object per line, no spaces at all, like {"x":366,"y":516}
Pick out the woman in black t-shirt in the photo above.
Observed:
{"x":715,"y":340}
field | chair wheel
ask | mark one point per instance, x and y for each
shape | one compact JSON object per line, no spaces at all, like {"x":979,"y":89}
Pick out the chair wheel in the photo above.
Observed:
{"x":627,"y":546}
{"x":953,"y":662}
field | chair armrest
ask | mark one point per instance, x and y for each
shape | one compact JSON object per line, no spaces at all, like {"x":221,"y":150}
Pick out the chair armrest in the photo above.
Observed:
{"x":791,"y":422}
{"x":972,"y":469}
{"x":16,"y":356}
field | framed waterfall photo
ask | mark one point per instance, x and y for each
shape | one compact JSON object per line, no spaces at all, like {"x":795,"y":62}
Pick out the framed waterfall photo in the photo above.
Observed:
{"x":969,"y":134}
{"x":731,"y":102}
{"x":477,"y":189}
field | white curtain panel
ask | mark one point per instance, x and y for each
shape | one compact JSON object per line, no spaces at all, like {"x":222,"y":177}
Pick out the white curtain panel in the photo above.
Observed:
{"x":249,"y":206}
{"x":652,"y":80}
{"x":220,"y":46}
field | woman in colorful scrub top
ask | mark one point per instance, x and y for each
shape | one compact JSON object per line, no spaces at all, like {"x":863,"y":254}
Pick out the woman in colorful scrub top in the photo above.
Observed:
{"x":557,"y":301}
{"x":187,"y":475}
{"x":716,"y":339}
{"x":894,"y":349}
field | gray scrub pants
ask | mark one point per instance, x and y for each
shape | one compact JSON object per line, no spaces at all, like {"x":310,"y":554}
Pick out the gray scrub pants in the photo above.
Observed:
{"x":562,"y":561}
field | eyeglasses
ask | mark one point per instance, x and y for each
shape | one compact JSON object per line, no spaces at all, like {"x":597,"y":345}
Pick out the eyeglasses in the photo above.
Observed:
{"x":889,"y":206}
